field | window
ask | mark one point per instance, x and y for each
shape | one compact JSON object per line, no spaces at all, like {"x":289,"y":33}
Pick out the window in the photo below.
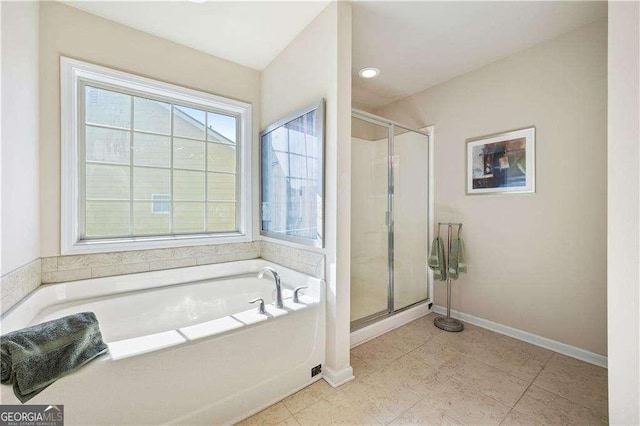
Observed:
{"x":292,"y":178}
{"x":149,"y":164}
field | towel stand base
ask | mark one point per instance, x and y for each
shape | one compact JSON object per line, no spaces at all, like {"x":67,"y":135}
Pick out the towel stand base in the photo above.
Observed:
{"x":448,"y":324}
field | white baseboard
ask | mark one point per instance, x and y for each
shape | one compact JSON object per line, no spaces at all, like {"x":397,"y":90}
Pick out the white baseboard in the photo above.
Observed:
{"x":338,"y":378}
{"x":563,"y":348}
{"x":383,"y":326}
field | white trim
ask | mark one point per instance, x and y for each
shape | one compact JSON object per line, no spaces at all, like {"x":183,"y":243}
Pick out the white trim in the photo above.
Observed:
{"x":71,"y":73}
{"x":378,"y":328}
{"x":338,"y":378}
{"x":563,"y":348}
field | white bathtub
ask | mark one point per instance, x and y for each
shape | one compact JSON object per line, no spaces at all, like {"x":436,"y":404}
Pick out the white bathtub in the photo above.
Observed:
{"x":185,"y":347}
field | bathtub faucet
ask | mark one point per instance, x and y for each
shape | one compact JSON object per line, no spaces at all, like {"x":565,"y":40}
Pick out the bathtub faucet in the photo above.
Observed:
{"x":276,"y":278}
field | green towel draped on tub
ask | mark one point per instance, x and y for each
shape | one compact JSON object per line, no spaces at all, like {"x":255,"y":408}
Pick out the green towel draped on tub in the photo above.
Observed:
{"x":35,"y":357}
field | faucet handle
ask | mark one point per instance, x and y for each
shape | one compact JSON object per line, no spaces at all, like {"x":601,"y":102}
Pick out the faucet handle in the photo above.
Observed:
{"x":296,"y":291}
{"x":261,"y":307}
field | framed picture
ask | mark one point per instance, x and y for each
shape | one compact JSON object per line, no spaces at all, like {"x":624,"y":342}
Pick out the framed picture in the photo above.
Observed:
{"x":502,"y":163}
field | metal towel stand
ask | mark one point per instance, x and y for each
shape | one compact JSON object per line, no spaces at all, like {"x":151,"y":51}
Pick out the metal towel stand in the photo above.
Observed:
{"x":447,"y":323}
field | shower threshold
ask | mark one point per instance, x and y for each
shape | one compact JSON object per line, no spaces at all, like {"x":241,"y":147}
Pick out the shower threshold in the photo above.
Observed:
{"x":372,"y":326}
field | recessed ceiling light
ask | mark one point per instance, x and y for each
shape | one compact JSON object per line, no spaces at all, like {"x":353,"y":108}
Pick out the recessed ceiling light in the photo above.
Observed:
{"x":369,"y":72}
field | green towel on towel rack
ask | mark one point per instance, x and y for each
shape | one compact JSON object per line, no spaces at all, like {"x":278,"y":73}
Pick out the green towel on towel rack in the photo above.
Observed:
{"x":457,"y":263}
{"x":436,"y":259}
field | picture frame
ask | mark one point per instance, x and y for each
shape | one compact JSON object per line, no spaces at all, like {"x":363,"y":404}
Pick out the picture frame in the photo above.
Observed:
{"x":501,"y":163}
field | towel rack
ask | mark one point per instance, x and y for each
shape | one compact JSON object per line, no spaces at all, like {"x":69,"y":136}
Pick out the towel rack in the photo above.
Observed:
{"x":447,"y":323}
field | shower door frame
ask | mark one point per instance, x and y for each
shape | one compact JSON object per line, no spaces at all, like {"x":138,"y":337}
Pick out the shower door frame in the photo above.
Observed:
{"x":428,"y":132}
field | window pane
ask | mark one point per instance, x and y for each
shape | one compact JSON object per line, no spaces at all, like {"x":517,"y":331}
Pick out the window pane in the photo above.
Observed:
{"x":188,"y":122}
{"x":221,"y":187}
{"x":151,"y":150}
{"x":188,"y":186}
{"x":292,"y":179}
{"x":221,"y":217}
{"x":188,"y":154}
{"x":107,"y":108}
{"x":151,"y":218}
{"x":111,"y":146}
{"x":279,"y":139}
{"x":302,"y":137}
{"x":107,"y":182}
{"x":222,"y":128}
{"x":107,"y":218}
{"x":149,"y":182}
{"x":188,"y":217}
{"x":221,"y":158}
{"x":298,"y":165}
{"x":313,"y":168}
{"x":151,"y":116}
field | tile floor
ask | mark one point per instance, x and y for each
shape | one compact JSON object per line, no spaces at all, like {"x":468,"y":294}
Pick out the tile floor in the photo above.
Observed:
{"x":420,"y":375}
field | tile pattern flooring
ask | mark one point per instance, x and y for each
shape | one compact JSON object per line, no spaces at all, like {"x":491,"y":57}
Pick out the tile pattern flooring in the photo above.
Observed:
{"x":420,"y":375}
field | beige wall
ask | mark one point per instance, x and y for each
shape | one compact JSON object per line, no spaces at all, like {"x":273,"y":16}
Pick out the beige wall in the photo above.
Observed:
{"x":70,"y":32}
{"x":536,"y":262}
{"x":20,"y":185}
{"x":624,"y":213}
{"x":315,"y":65}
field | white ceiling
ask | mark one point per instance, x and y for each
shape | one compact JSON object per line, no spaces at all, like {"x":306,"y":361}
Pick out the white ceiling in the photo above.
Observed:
{"x":250,"y":33}
{"x":417,"y":45}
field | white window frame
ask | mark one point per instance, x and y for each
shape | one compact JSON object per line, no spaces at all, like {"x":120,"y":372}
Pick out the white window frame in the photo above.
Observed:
{"x":72,"y":74}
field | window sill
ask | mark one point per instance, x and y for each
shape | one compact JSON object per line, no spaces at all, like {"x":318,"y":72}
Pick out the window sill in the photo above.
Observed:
{"x":147,"y":243}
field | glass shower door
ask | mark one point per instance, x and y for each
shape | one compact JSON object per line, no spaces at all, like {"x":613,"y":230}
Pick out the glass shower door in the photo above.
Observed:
{"x":369,"y":230}
{"x":410,"y":217}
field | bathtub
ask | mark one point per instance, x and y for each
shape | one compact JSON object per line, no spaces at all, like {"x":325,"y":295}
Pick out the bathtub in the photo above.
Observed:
{"x":185,"y":347}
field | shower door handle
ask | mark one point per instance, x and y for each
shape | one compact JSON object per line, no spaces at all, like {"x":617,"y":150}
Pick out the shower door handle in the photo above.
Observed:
{"x":388,"y":220}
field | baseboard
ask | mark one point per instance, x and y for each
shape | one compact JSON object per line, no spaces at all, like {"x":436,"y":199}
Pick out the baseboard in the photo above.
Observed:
{"x":378,"y":328}
{"x":525,"y":336}
{"x":338,"y":378}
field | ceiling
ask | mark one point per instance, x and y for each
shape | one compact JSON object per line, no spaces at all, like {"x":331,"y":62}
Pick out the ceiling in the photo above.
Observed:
{"x":250,"y":33}
{"x":417,"y":45}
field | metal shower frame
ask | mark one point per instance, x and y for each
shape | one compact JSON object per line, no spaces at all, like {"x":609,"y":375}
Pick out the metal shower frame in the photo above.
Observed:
{"x":391,"y":126}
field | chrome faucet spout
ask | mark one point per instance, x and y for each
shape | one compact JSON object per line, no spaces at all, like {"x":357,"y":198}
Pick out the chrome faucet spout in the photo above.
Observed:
{"x":276,"y":278}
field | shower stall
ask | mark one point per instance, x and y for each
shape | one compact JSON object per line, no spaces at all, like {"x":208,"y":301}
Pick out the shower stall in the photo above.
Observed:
{"x":391,"y":218}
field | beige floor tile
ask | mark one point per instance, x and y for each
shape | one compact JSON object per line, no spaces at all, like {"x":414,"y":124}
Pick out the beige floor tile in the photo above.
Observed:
{"x":289,"y":421}
{"x":411,"y":335}
{"x":549,"y":408}
{"x":406,"y":372}
{"x":308,"y":396}
{"x":532,"y":351}
{"x":360,"y":368}
{"x":424,"y":414}
{"x":578,"y":381}
{"x":276,"y":414}
{"x":335,"y":410}
{"x":485,"y":378}
{"x":435,"y":353}
{"x":377,"y":353}
{"x":490,"y":348}
{"x":462,"y":402}
{"x":418,"y":374}
{"x":516,"y":418}
{"x":383,"y":399}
